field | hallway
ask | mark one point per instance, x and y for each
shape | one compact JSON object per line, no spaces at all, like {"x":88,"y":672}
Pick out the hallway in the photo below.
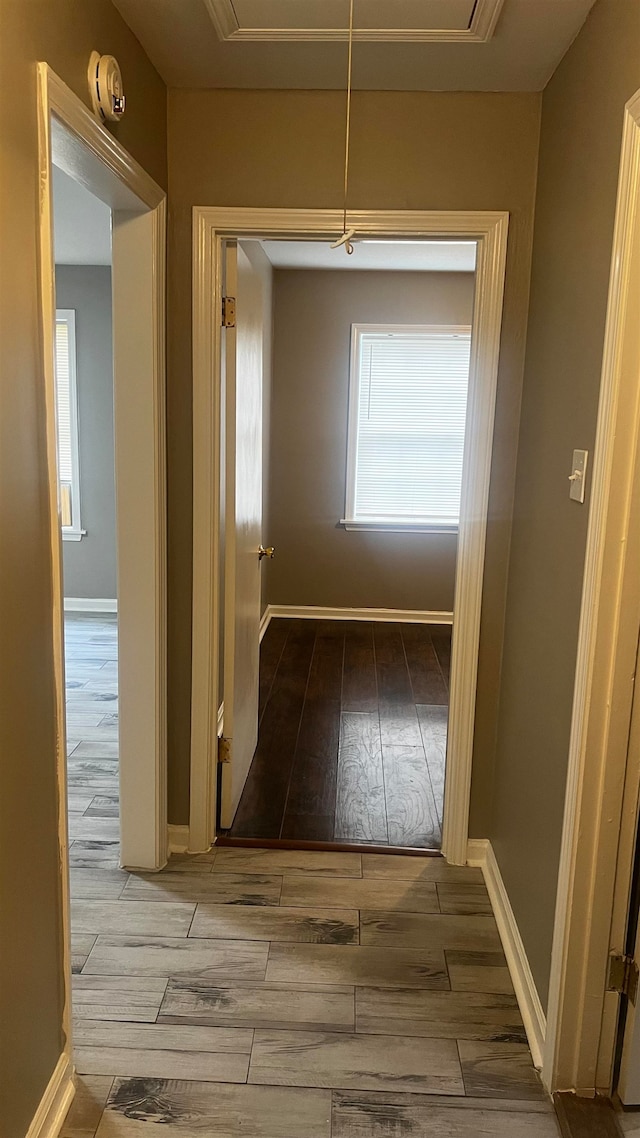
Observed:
{"x":280,"y":993}
{"x":293,"y":994}
{"x":353,"y":730}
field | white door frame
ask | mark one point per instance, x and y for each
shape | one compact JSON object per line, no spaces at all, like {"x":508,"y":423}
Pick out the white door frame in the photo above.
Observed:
{"x":211,"y":226}
{"x":602,"y":791}
{"x":70,"y":137}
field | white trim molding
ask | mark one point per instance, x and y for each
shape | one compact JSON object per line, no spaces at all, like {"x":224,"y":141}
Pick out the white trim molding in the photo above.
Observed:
{"x":90,"y":604}
{"x":178,"y":838}
{"x":265,"y":621}
{"x":70,"y":136}
{"x":211,"y":228}
{"x":55,"y":1102}
{"x":600,"y":816}
{"x":486,"y":14}
{"x":402,"y":616}
{"x":481,"y":853}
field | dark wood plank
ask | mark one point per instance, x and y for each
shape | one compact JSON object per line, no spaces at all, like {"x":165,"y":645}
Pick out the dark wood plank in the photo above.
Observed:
{"x":586,"y":1117}
{"x":312,"y":788}
{"x":427,"y":681}
{"x":394,"y":684}
{"x":309,"y":827}
{"x":412,"y":817}
{"x":262,"y":804}
{"x":360,"y":806}
{"x":325,"y":676}
{"x":433,"y":728}
{"x":399,"y":725}
{"x":441,"y":640}
{"x":359,"y":683}
{"x":271,"y":649}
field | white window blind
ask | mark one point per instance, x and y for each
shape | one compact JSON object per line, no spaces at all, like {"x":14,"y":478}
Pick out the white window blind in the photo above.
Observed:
{"x":407,"y":416}
{"x":67,"y":421}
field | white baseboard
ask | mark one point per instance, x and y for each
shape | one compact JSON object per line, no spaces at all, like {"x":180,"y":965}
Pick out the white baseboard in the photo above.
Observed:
{"x":90,"y":604}
{"x":178,"y":839}
{"x":480,"y":853}
{"x":55,"y":1102}
{"x":405,"y":616}
{"x":265,"y":621}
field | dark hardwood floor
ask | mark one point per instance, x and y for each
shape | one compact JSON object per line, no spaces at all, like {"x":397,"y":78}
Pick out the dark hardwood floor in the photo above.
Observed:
{"x":352,"y":738}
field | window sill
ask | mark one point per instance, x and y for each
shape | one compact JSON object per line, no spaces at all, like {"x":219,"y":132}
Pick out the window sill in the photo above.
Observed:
{"x":374,"y":526}
{"x":73,"y":534}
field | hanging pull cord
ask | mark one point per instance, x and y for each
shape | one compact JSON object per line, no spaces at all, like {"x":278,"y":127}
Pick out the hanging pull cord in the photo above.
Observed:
{"x":347,"y":234}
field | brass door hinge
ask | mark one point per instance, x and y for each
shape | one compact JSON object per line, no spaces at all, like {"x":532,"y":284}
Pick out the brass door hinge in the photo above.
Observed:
{"x":623,"y":976}
{"x":224,"y":750}
{"x":228,"y":312}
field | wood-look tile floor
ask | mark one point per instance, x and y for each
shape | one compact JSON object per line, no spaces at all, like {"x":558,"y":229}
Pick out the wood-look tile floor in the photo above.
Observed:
{"x":353,"y":731}
{"x":250,"y":993}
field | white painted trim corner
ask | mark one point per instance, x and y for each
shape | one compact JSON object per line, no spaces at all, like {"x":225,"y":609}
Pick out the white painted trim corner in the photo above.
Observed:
{"x":55,"y":1102}
{"x":90,"y":604}
{"x":481,"y":854}
{"x":265,"y":621}
{"x":317,"y":612}
{"x":178,"y":838}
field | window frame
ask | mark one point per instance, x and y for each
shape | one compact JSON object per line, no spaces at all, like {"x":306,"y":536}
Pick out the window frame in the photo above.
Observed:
{"x":74,"y":532}
{"x":350,"y":521}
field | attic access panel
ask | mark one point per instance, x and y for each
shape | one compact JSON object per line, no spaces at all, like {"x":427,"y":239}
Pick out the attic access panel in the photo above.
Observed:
{"x":385,"y":21}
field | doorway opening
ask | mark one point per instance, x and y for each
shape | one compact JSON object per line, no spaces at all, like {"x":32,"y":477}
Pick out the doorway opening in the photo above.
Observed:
{"x":353,"y":412}
{"x":364,"y":365}
{"x":86,"y":473}
{"x":104,"y":396}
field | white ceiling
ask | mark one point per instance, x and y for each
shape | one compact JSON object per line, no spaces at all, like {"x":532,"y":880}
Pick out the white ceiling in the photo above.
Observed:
{"x":389,"y":256}
{"x":529,"y":41}
{"x":81,"y":224}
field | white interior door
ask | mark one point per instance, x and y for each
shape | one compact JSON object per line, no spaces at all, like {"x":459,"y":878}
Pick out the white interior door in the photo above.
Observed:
{"x":243,"y":524}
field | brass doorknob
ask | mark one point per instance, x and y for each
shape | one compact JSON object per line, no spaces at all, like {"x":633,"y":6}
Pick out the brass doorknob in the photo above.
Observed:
{"x":268,"y":552}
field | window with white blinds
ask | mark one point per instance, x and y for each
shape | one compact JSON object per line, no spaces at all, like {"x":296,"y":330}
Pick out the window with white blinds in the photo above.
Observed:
{"x":408,"y":401}
{"x":67,"y":422}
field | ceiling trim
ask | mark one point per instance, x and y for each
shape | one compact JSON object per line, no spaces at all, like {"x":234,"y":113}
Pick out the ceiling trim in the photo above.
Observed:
{"x":483,"y":23}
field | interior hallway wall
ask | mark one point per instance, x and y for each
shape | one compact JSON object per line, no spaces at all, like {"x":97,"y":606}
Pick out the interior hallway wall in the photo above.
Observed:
{"x":90,"y":564}
{"x":63,"y":33}
{"x":319,"y":562}
{"x":409,"y":151}
{"x":579,"y":161}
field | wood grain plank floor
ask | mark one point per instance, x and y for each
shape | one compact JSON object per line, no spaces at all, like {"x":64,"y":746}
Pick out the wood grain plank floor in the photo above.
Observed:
{"x":229,"y":994}
{"x":338,"y":699}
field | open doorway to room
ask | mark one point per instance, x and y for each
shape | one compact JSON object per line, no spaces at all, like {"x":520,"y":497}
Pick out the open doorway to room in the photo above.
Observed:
{"x":274,"y":427}
{"x":85,"y":442}
{"x":365,"y":375}
{"x":102,"y":249}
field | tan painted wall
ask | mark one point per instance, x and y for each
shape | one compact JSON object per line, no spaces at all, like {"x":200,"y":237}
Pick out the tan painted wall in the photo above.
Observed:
{"x":409,"y":151}
{"x":579,"y":161}
{"x":61,"y":32}
{"x":318,"y":562}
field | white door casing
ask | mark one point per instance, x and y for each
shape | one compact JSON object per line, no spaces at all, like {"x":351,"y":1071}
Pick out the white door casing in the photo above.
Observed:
{"x":212,"y":228}
{"x":243,"y":524}
{"x":596,"y":856}
{"x":70,"y":136}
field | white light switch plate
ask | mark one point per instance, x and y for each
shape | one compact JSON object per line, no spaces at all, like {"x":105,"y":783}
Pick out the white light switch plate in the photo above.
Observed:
{"x":578,"y":475}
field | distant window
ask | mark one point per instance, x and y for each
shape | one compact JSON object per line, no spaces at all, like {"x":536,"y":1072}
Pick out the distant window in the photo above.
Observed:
{"x":67,"y":423}
{"x":407,"y":411}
